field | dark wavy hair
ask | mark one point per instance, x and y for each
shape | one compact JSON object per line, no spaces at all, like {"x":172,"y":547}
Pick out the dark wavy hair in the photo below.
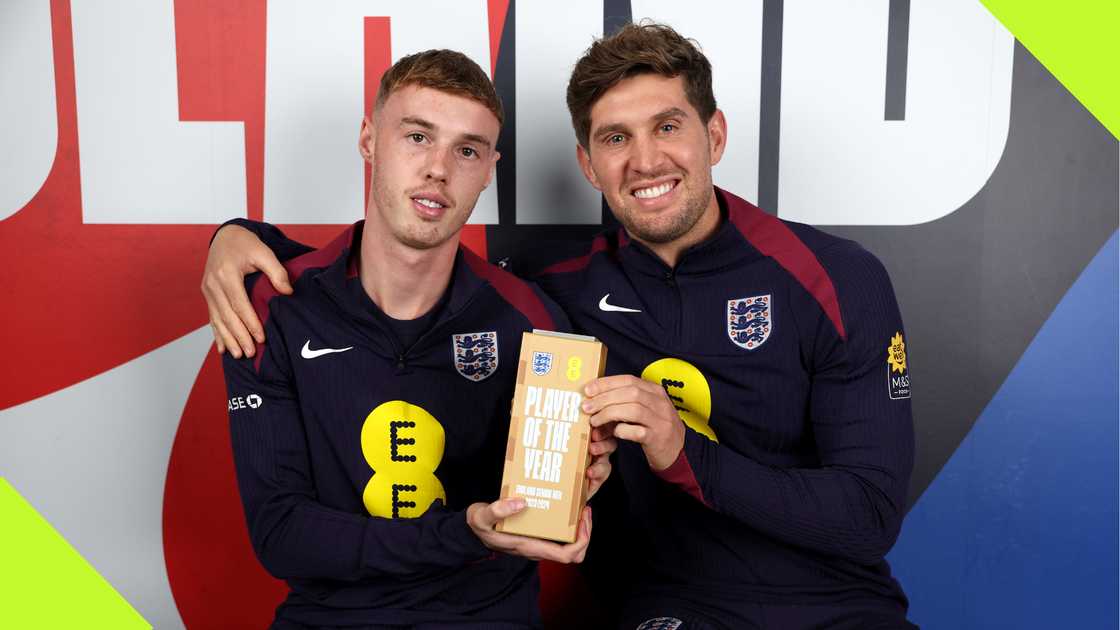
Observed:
{"x":638,"y":49}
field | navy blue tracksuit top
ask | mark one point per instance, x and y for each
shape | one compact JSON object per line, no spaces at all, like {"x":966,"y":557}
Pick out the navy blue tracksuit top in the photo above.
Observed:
{"x":783,"y":350}
{"x":356,"y":458}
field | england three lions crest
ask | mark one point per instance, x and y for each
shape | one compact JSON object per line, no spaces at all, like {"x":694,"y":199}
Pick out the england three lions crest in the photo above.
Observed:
{"x":750,"y":321}
{"x":542,"y":363}
{"x":476,"y":354}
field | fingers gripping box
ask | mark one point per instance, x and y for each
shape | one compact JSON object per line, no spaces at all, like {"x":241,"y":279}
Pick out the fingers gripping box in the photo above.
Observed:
{"x":546,"y":456}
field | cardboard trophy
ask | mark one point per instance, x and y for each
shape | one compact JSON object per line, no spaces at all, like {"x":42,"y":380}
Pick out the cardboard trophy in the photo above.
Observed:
{"x":546,"y":456}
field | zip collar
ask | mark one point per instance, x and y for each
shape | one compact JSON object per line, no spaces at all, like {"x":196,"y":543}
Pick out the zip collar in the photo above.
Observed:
{"x":341,"y":283}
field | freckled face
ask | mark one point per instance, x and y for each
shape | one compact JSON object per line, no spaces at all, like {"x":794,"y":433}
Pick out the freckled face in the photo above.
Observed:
{"x":432,"y":154}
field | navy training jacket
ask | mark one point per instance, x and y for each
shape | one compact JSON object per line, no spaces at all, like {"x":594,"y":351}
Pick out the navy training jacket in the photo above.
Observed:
{"x":782,"y":348}
{"x":356,"y":458}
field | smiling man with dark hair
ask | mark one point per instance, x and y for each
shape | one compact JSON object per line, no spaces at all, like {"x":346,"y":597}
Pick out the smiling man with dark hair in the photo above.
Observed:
{"x":766,"y":452}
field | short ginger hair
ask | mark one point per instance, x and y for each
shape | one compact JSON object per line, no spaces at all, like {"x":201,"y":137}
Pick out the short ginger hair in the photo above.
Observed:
{"x":444,"y":70}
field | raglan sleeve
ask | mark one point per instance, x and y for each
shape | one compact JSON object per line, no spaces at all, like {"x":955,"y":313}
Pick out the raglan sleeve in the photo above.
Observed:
{"x":293,"y":534}
{"x":852,"y":504}
{"x":273,"y":237}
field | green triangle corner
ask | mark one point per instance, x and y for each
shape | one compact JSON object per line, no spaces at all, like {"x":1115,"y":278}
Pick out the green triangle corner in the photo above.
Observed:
{"x":45,"y":583}
{"x":1079,"y":43}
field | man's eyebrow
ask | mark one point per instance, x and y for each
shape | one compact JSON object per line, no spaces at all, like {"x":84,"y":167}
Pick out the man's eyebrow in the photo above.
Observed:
{"x":611,"y":128}
{"x":672,"y":112}
{"x":420,"y":122}
{"x":474,"y":137}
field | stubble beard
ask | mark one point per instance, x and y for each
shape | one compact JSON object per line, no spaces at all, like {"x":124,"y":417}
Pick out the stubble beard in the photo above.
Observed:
{"x":421,"y":240}
{"x":404,"y":226}
{"x":678,"y":223}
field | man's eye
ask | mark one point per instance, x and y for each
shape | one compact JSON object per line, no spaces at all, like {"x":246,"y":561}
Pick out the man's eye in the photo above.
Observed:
{"x":468,"y":152}
{"x":416,"y":137}
{"x":668,"y":127}
{"x":615,"y":138}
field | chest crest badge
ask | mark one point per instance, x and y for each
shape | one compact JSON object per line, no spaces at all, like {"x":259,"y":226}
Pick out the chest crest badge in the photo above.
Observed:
{"x":750,"y":320}
{"x":475,"y":354}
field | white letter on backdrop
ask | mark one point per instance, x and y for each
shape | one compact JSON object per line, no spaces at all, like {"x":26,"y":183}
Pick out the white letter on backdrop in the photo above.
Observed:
{"x":28,"y":116}
{"x":840,"y":161}
{"x":550,"y":186}
{"x":139,"y":162}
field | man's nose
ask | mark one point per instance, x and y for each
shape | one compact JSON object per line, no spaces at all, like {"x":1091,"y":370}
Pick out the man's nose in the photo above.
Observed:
{"x":646,"y":156}
{"x":438,"y":165}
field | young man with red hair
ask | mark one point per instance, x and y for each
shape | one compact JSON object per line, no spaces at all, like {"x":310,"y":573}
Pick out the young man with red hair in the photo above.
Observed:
{"x":370,"y":427}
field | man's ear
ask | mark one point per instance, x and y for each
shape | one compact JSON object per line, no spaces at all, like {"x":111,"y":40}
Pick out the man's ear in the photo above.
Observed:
{"x":717,"y":137}
{"x":493,"y":169}
{"x":585,"y":165}
{"x":365,"y":140}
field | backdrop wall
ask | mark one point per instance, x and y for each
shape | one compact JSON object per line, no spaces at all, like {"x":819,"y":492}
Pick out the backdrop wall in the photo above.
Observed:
{"x":923,"y":130}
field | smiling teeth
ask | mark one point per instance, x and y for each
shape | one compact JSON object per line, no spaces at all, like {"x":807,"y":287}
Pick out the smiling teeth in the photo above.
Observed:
{"x":428,"y":203}
{"x":656,"y":191}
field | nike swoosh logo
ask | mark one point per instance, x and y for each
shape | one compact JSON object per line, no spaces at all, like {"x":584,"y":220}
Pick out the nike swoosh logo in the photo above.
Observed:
{"x":604,"y":306}
{"x":308,"y":353}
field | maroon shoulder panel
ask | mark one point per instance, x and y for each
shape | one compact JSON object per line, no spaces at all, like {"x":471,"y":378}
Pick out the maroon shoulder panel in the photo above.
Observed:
{"x":773,"y":238}
{"x":263,"y":291}
{"x":512,"y":289}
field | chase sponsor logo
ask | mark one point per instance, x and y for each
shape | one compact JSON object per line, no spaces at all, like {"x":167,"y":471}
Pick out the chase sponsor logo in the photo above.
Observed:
{"x":898,"y":375}
{"x":750,"y":321}
{"x":476,"y":354}
{"x":542,"y":363}
{"x":240,"y":402}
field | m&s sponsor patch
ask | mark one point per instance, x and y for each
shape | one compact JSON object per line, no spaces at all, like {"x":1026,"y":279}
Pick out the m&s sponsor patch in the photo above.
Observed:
{"x":898,"y":374}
